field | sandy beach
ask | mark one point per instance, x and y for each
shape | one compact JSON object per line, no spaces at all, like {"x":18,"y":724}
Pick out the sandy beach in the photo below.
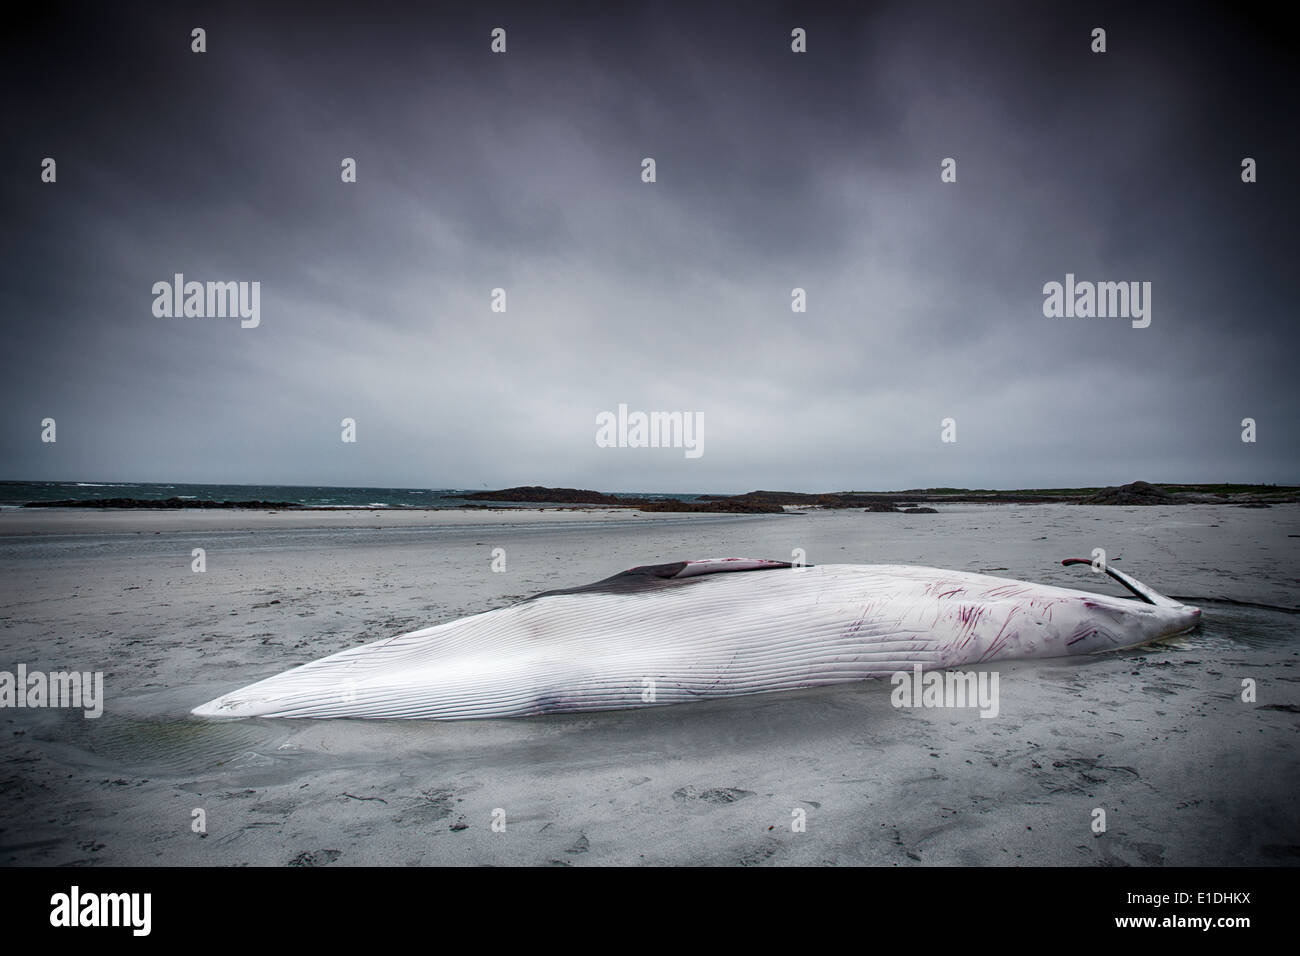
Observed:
{"x":1159,"y":738}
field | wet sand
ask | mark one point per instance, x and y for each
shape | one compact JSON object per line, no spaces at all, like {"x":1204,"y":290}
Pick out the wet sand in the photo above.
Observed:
{"x":1159,"y":738}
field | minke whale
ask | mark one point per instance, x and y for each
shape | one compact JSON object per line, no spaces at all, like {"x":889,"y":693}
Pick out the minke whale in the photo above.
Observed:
{"x":691,"y":630}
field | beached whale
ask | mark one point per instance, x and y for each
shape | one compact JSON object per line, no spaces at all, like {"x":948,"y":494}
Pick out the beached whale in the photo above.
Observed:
{"x":669,"y":633}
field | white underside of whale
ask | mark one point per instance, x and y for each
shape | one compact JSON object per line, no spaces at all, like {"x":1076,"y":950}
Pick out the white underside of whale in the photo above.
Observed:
{"x":641,"y":639}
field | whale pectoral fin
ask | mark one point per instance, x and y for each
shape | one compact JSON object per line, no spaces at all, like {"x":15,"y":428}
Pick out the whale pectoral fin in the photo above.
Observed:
{"x":650,"y":576}
{"x":1149,"y":595}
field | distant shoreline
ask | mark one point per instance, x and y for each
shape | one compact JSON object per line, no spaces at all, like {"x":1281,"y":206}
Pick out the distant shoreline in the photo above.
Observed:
{"x":753,"y":502}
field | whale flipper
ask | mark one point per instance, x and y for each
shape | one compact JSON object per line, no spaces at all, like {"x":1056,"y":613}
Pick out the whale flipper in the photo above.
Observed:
{"x":1147,"y":594}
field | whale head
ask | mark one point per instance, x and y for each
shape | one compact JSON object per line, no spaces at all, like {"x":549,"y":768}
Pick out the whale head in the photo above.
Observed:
{"x":1153,"y":618}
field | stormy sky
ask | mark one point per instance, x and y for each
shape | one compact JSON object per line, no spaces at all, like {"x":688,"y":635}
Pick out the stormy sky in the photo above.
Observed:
{"x":522,"y":170}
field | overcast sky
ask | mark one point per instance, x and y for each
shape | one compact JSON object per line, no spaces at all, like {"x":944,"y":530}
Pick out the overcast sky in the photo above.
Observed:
{"x":523,"y":170}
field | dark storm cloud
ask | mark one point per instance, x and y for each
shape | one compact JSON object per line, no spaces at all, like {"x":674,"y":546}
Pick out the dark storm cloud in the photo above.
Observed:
{"x":522,"y":171}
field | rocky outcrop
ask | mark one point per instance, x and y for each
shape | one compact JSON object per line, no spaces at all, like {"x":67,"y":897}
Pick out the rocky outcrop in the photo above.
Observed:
{"x":1136,"y":493}
{"x":541,"y":495}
